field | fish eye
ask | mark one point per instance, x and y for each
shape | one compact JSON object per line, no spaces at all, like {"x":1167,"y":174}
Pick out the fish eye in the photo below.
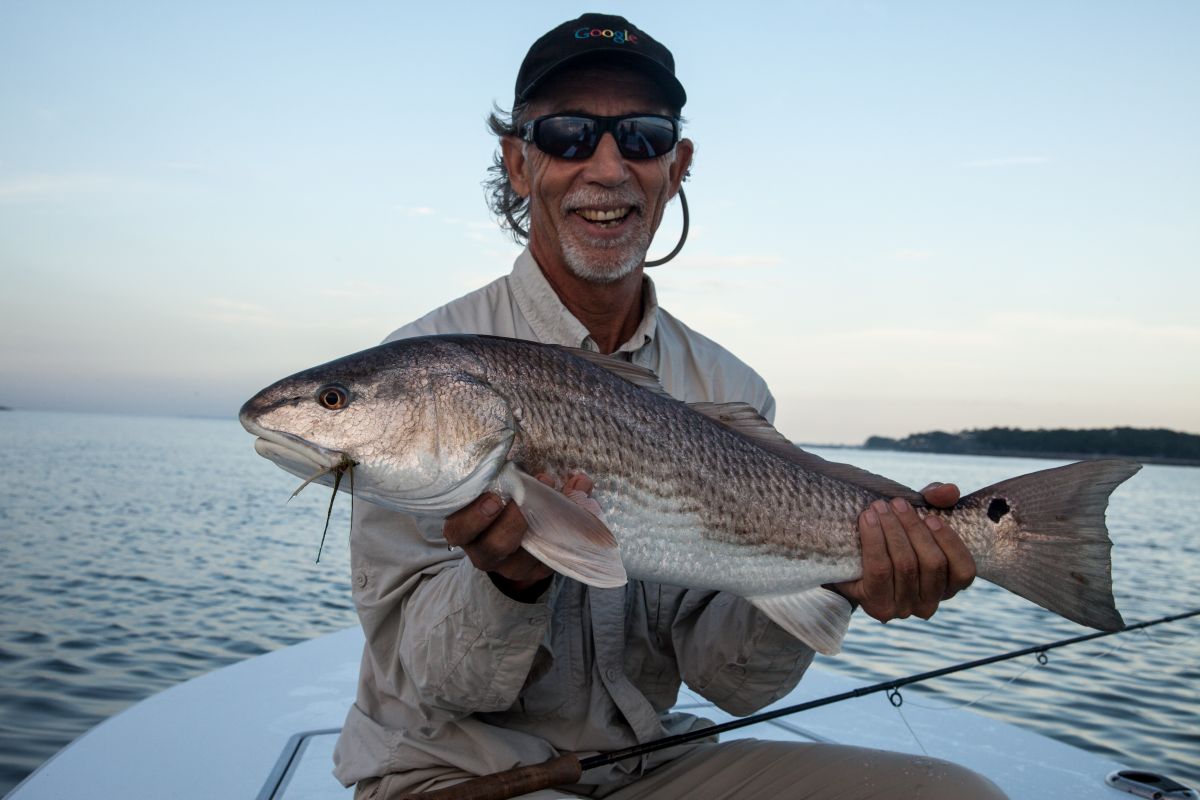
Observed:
{"x":333,"y":397}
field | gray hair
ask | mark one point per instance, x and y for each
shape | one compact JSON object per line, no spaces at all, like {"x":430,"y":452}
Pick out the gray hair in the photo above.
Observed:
{"x":511,"y":209}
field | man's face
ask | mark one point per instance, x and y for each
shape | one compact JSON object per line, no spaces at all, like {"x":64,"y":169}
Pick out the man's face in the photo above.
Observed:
{"x":595,"y":217}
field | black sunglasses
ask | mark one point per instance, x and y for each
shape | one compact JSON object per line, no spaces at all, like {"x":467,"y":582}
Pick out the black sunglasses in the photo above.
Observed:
{"x":578,"y":135}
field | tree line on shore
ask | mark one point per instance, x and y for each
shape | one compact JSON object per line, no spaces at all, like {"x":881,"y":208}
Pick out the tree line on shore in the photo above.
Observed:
{"x":1158,"y":444}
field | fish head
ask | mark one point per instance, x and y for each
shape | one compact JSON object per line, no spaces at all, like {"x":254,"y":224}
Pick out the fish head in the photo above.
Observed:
{"x":422,"y":432}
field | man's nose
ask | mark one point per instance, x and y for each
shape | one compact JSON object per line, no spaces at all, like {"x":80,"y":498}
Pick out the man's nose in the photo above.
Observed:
{"x":607,"y":166}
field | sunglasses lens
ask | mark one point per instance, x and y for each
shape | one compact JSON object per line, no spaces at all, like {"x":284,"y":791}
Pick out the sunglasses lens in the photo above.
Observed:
{"x":645,"y":137}
{"x":566,"y":137}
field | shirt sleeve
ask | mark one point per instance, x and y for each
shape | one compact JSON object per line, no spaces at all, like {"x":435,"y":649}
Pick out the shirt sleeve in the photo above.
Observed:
{"x":732,"y":654}
{"x":437,"y":629}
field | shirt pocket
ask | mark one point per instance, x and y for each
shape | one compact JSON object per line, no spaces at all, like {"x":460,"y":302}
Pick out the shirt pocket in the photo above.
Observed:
{"x":556,"y":685}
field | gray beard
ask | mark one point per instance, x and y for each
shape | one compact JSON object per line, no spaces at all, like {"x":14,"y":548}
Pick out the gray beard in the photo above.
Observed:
{"x":614,"y":260}
{"x":623,"y":260}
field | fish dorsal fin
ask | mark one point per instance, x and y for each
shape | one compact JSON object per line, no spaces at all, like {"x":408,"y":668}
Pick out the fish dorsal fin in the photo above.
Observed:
{"x":746,"y":420}
{"x":637,"y":375}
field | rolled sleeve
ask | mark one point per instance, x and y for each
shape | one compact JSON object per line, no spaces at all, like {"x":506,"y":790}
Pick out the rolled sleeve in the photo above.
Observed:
{"x":438,"y":631}
{"x":466,"y":645}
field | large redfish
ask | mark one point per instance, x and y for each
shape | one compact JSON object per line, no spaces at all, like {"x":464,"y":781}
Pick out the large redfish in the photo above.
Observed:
{"x":701,"y":495}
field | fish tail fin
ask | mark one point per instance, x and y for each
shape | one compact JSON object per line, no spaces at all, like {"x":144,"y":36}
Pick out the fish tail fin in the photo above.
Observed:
{"x":1051,"y":545}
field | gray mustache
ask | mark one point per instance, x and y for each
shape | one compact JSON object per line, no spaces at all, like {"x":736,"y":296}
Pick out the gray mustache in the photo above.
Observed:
{"x":596,"y":198}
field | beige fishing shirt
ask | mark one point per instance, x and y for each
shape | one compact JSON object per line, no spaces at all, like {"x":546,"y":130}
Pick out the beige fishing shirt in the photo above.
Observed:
{"x":457,"y":677}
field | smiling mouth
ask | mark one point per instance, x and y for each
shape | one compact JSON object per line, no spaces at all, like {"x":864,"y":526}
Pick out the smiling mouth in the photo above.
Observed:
{"x":605,"y":217}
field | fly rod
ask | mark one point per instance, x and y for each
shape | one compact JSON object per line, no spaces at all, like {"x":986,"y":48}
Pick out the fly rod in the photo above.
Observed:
{"x":568,"y":768}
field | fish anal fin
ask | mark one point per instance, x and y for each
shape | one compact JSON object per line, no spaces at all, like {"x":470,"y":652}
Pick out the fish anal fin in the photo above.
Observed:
{"x":563,"y":535}
{"x":745,"y":419}
{"x":818,"y":617}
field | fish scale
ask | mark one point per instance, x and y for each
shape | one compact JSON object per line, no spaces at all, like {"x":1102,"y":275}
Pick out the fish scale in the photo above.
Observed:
{"x":701,"y":495}
{"x":711,"y":468}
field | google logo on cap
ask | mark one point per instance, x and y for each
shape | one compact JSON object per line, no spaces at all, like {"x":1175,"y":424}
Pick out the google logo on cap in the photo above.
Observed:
{"x":619,"y":37}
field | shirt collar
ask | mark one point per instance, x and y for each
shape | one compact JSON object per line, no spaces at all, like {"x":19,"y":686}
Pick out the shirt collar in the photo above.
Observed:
{"x":552,"y":322}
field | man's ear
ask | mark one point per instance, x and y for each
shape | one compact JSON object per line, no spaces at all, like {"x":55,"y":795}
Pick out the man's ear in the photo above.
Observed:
{"x":512,"y":150}
{"x":682,"y":163}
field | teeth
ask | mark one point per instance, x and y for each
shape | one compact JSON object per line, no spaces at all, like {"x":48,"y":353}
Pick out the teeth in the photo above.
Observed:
{"x":596,"y":215}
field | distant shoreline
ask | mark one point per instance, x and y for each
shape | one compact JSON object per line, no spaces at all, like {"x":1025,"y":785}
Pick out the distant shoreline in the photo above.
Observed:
{"x":1146,"y":445}
{"x":1170,"y":462}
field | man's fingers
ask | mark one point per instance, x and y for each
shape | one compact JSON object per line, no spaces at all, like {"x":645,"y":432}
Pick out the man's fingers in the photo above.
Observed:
{"x":932,"y":563}
{"x":960,"y":564}
{"x":461,"y":527}
{"x":878,"y":595}
{"x":502,"y":538}
{"x":910,"y":563}
{"x":579,"y":482}
{"x":940,"y":495}
{"x":522,"y":567}
{"x":905,"y":567}
{"x":490,"y":532}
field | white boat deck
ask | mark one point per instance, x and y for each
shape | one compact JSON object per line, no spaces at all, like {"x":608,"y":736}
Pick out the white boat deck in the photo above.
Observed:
{"x":266,"y":727}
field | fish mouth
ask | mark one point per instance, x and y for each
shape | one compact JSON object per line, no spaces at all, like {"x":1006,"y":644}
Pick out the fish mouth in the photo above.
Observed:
{"x":294,"y":454}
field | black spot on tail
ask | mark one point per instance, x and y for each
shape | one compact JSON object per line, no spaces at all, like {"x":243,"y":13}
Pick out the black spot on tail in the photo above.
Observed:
{"x":997,"y":509}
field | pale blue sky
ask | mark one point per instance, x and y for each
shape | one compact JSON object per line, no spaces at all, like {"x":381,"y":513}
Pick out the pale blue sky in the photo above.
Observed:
{"x":905,"y":215}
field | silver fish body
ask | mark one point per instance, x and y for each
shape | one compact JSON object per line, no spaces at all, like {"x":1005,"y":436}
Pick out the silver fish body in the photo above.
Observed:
{"x":700,"y":495}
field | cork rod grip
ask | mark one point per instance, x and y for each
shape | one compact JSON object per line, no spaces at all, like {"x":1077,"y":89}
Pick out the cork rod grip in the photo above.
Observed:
{"x":514,"y":782}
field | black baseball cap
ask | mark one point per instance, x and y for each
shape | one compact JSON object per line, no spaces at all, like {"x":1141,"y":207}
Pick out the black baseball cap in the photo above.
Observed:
{"x":599,"y":37}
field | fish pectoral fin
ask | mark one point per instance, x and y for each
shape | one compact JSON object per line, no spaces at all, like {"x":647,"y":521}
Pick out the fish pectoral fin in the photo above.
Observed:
{"x":818,"y":617}
{"x":564,"y":536}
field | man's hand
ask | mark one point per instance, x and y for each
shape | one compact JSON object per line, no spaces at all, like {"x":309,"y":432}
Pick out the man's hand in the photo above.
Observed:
{"x":910,"y":565}
{"x":490,"y":533}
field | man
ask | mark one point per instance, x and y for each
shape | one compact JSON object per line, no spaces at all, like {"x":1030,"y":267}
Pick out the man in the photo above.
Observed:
{"x":480,"y":663}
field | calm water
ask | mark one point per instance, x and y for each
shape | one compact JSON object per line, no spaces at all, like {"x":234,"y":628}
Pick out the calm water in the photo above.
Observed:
{"x":140,"y":552}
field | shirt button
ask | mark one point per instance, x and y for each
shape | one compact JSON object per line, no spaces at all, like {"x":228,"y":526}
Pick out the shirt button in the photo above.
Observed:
{"x":360,"y":580}
{"x":613,"y":673}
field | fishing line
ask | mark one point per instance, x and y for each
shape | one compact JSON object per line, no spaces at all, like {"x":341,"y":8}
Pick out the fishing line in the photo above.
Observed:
{"x":1016,"y":676}
{"x":337,"y":479}
{"x":911,"y":732}
{"x":1173,"y":639}
{"x":350,"y":530}
{"x":1120,"y":645}
{"x":341,"y":469}
{"x":308,"y":480}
